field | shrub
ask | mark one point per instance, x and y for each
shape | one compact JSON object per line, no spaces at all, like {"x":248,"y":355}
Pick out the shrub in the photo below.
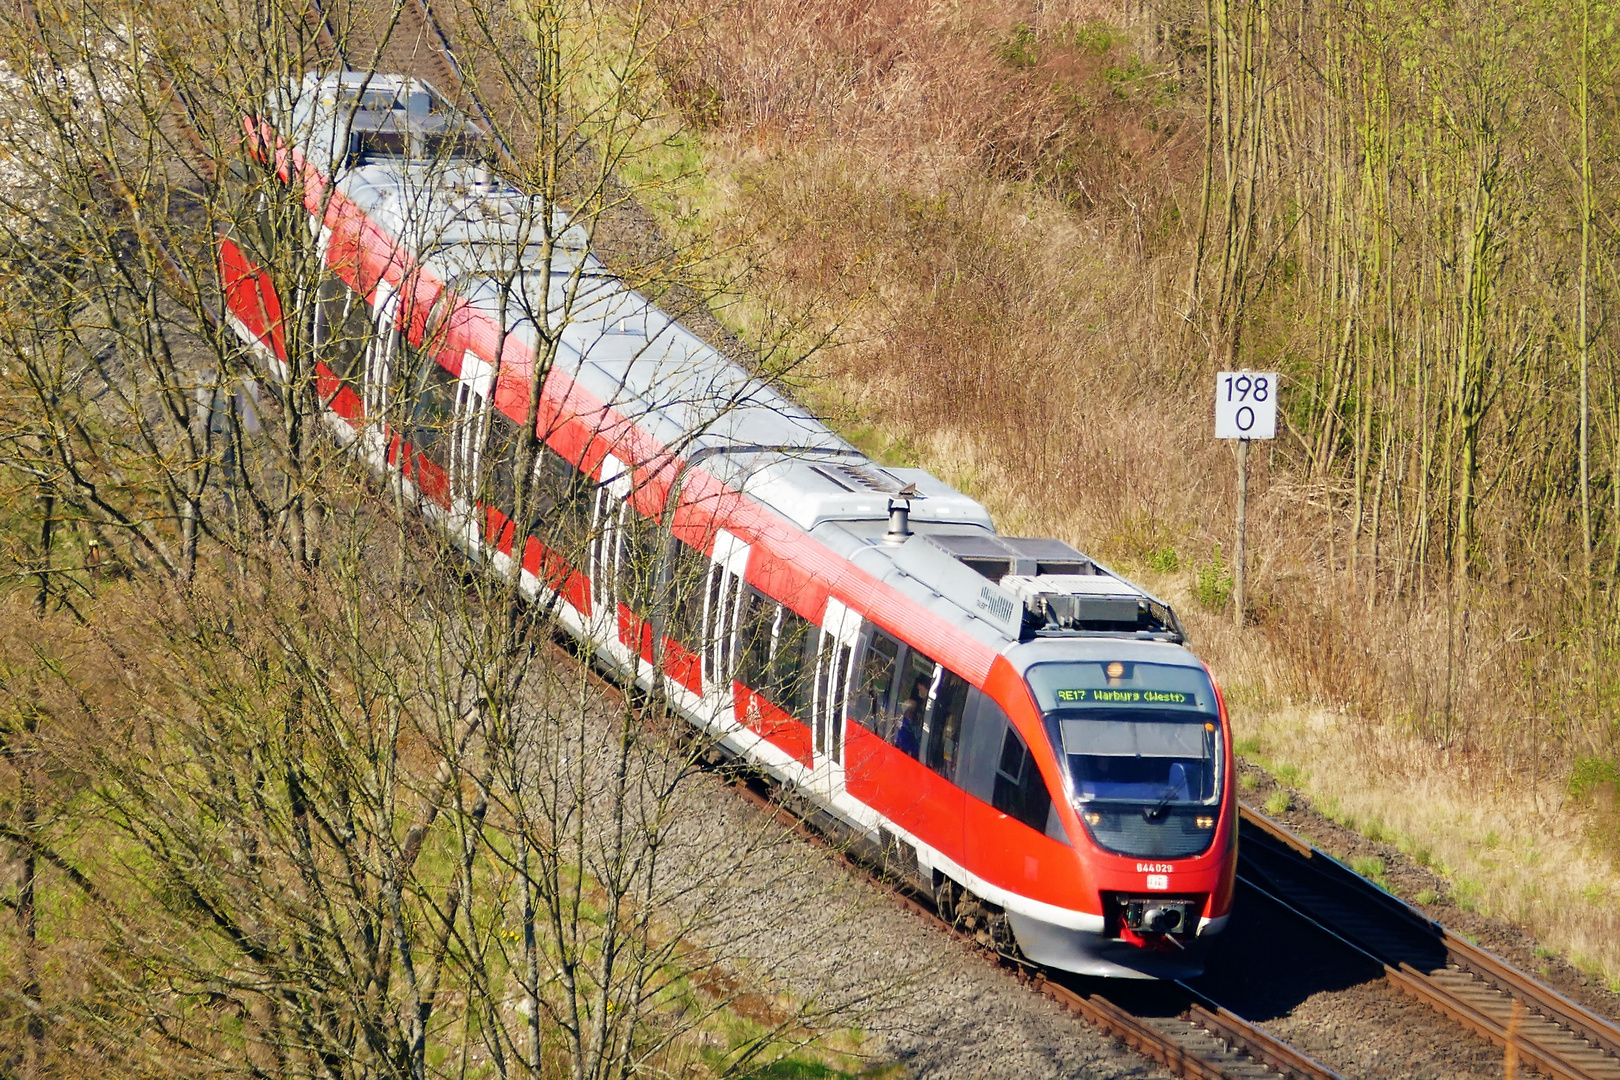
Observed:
{"x":1164,"y":559}
{"x":1592,"y":775}
{"x":1279,"y":802}
{"x":1214,"y":585}
{"x":1095,"y":37}
{"x":1019,"y":50}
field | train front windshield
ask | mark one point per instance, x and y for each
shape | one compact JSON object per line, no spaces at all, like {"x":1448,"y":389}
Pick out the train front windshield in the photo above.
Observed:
{"x":1142,"y":743}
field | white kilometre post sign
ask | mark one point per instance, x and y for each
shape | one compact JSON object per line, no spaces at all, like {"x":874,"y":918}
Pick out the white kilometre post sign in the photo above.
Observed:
{"x":1245,"y":409}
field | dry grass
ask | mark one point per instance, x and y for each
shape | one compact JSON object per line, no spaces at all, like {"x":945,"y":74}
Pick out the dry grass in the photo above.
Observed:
{"x":992,"y":204}
{"x":1518,"y":852}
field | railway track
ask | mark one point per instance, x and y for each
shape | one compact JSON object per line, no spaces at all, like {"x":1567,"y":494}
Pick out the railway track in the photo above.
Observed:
{"x":1534,"y":1025}
{"x":1204,"y":1041}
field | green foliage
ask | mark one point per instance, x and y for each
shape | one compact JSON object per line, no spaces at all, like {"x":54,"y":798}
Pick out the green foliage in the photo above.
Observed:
{"x":1248,"y":781}
{"x":1214,"y":585}
{"x":1164,"y":559}
{"x":1592,"y":775}
{"x":1096,"y":37}
{"x":1428,"y":897}
{"x":1121,"y":77}
{"x":1248,"y":746}
{"x":1019,"y":49}
{"x":1369,"y":866}
{"x":1279,"y":802}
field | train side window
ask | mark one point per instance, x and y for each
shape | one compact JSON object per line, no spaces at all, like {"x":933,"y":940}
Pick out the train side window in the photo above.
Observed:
{"x":874,"y":684}
{"x":343,"y":329}
{"x":756,"y":625}
{"x":505,"y":446}
{"x":720,"y":622}
{"x":944,"y":724}
{"x":793,"y":665}
{"x":689,"y":574}
{"x":911,"y":702}
{"x":1020,"y":791}
{"x":639,"y":562}
{"x":433,"y":402}
{"x":564,"y":500}
{"x":559,"y":500}
{"x":983,"y":726}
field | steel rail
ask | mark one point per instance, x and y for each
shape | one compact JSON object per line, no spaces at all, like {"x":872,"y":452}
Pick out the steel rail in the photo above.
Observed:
{"x":1226,"y":1027}
{"x":1542,"y":1028}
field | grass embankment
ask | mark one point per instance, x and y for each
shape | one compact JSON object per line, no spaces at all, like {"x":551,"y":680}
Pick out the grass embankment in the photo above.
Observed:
{"x":998,"y":209}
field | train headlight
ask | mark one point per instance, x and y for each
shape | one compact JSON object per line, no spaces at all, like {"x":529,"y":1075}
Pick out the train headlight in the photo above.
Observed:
{"x":1205,"y":822}
{"x":1092,"y":817}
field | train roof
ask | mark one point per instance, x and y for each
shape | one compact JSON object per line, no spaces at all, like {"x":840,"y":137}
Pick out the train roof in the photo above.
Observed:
{"x":478,"y":235}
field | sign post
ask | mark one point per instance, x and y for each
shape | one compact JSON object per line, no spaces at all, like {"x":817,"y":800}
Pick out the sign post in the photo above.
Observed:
{"x":1245,"y":409}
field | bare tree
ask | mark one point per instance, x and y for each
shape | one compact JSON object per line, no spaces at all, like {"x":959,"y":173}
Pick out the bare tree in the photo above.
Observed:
{"x":322,"y":799}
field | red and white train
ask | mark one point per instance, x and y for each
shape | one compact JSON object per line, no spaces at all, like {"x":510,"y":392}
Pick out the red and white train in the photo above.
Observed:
{"x":1020,"y":731}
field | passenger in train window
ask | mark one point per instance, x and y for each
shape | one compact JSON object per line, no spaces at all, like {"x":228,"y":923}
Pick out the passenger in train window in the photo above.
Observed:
{"x":908,"y":734}
{"x":945,"y":723}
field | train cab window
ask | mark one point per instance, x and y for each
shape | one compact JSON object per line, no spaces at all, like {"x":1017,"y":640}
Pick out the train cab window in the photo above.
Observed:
{"x":979,"y":751}
{"x":343,"y":329}
{"x":943,"y":728}
{"x":1020,"y":792}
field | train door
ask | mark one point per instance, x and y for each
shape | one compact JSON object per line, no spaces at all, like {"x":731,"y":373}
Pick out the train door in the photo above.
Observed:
{"x":469,"y":429}
{"x":726,"y":586}
{"x":840,"y":631}
{"x":379,"y":364}
{"x":607,"y":533}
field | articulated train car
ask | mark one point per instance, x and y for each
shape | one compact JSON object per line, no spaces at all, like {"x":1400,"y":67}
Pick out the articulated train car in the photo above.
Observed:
{"x":1020,"y":731}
